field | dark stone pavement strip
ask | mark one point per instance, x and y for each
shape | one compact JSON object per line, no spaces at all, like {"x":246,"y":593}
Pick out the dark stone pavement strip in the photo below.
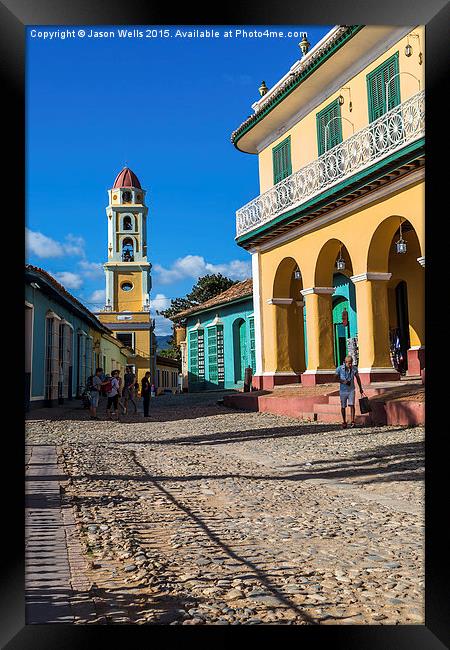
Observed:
{"x":49,"y":593}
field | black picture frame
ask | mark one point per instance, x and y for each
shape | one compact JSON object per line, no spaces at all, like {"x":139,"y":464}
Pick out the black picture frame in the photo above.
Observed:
{"x":15,"y":15}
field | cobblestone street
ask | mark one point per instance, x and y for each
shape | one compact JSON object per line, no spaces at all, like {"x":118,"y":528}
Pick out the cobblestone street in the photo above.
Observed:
{"x":204,"y":515}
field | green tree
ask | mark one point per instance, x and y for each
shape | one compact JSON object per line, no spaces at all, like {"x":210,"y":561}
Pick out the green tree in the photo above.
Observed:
{"x":172,"y":352}
{"x":206,"y":287}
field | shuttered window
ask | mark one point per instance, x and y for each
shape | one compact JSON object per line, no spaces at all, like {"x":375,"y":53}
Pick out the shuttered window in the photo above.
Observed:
{"x":251,"y":323}
{"x":379,"y":100}
{"x":196,"y":356}
{"x":193,"y":355}
{"x":212,"y":355}
{"x":282,"y":166}
{"x":220,"y":355}
{"x":329,"y":127}
{"x":201,"y":355}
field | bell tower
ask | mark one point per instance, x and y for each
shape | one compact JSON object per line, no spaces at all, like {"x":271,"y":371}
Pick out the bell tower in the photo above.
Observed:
{"x":127,"y":271}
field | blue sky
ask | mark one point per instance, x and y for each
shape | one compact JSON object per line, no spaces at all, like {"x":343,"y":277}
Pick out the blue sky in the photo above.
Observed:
{"x":164,"y":107}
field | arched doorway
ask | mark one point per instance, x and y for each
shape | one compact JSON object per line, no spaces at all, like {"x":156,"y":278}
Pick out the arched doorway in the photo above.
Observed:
{"x":405,"y":291}
{"x":287,"y":302}
{"x":334,"y":269}
{"x":345,"y":329}
{"x":239,"y":349}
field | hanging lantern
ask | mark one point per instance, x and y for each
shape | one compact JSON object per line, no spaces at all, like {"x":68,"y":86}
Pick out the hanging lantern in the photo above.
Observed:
{"x":408,"y":50}
{"x":401,"y":245}
{"x":341,"y":100}
{"x":340,"y":262}
{"x":297,"y":274}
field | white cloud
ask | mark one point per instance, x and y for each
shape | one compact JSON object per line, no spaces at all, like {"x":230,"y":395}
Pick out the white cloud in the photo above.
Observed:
{"x":163,"y":325}
{"x":92,"y":270}
{"x":68,"y":279}
{"x":42,"y":246}
{"x":74,"y":245}
{"x":98,"y":296}
{"x":195,"y":266}
{"x":160,"y":302}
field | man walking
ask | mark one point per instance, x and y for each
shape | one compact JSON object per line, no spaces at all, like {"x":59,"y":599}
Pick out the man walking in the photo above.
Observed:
{"x":347,"y":374}
{"x":145,"y":392}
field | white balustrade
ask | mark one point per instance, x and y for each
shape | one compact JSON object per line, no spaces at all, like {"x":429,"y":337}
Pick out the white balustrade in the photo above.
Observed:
{"x":389,"y":133}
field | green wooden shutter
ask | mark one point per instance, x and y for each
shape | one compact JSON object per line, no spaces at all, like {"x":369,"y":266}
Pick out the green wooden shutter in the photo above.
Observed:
{"x":251,"y":324}
{"x":220,"y":355}
{"x":201,"y":356}
{"x":331,"y":116}
{"x":282,"y":166}
{"x":193,"y":356}
{"x":212,"y":355}
{"x":376,"y":88}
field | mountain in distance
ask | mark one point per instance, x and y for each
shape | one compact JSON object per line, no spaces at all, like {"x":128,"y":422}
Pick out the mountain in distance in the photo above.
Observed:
{"x":162,"y":342}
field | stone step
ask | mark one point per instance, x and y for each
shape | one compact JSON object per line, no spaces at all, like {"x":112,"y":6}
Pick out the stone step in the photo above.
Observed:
{"x":361,"y":420}
{"x":333,"y":408}
{"x":369,"y":392}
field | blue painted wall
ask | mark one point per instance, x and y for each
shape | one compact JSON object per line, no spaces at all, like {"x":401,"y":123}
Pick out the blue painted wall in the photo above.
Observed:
{"x":42,"y":304}
{"x":228,"y":314}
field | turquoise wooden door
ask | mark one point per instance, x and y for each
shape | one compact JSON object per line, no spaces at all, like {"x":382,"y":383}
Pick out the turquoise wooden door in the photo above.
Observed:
{"x":239,"y":349}
{"x":341,"y":329}
{"x":243,"y":348}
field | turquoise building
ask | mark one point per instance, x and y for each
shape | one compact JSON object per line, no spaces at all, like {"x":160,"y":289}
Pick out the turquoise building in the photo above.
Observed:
{"x":220,"y":339}
{"x":64,"y":342}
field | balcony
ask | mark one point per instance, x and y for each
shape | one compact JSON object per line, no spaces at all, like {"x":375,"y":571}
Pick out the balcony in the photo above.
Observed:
{"x":388,"y":134}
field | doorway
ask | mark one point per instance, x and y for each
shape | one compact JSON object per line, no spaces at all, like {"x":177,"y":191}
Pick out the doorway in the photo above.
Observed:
{"x":240,"y":349}
{"x":341,"y":328}
{"x":401,"y":300}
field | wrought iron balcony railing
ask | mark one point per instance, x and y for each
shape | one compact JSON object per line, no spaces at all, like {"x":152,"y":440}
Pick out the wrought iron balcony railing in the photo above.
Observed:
{"x":389,"y":133}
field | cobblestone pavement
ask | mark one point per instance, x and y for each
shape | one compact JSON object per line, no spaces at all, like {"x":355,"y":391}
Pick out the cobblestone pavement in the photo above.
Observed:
{"x":202,"y":515}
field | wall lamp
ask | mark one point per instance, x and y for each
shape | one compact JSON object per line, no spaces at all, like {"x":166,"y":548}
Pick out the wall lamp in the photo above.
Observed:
{"x":409,"y":49}
{"x":341,"y":98}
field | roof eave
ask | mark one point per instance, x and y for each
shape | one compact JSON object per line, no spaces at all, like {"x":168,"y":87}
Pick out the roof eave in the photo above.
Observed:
{"x":302,"y":75}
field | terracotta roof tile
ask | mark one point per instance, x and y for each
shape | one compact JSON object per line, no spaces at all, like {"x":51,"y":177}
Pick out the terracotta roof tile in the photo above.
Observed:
{"x":240,"y":290}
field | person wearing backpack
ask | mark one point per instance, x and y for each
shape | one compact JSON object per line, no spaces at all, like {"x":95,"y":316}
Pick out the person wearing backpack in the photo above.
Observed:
{"x":113,"y":394}
{"x":94,"y":386}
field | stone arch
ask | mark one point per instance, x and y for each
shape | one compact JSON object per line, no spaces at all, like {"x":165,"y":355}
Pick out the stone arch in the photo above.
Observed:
{"x":406,"y":291}
{"x":287,"y":302}
{"x":129,"y":222}
{"x":326,"y":263}
{"x":382,"y":241}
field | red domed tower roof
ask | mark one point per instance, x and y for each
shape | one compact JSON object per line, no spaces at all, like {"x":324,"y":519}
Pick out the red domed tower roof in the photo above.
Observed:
{"x":127,"y":178}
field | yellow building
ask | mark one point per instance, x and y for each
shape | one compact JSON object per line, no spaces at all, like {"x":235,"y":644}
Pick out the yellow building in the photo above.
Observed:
{"x":127,"y":309}
{"x":167,"y":375}
{"x":337,"y":231}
